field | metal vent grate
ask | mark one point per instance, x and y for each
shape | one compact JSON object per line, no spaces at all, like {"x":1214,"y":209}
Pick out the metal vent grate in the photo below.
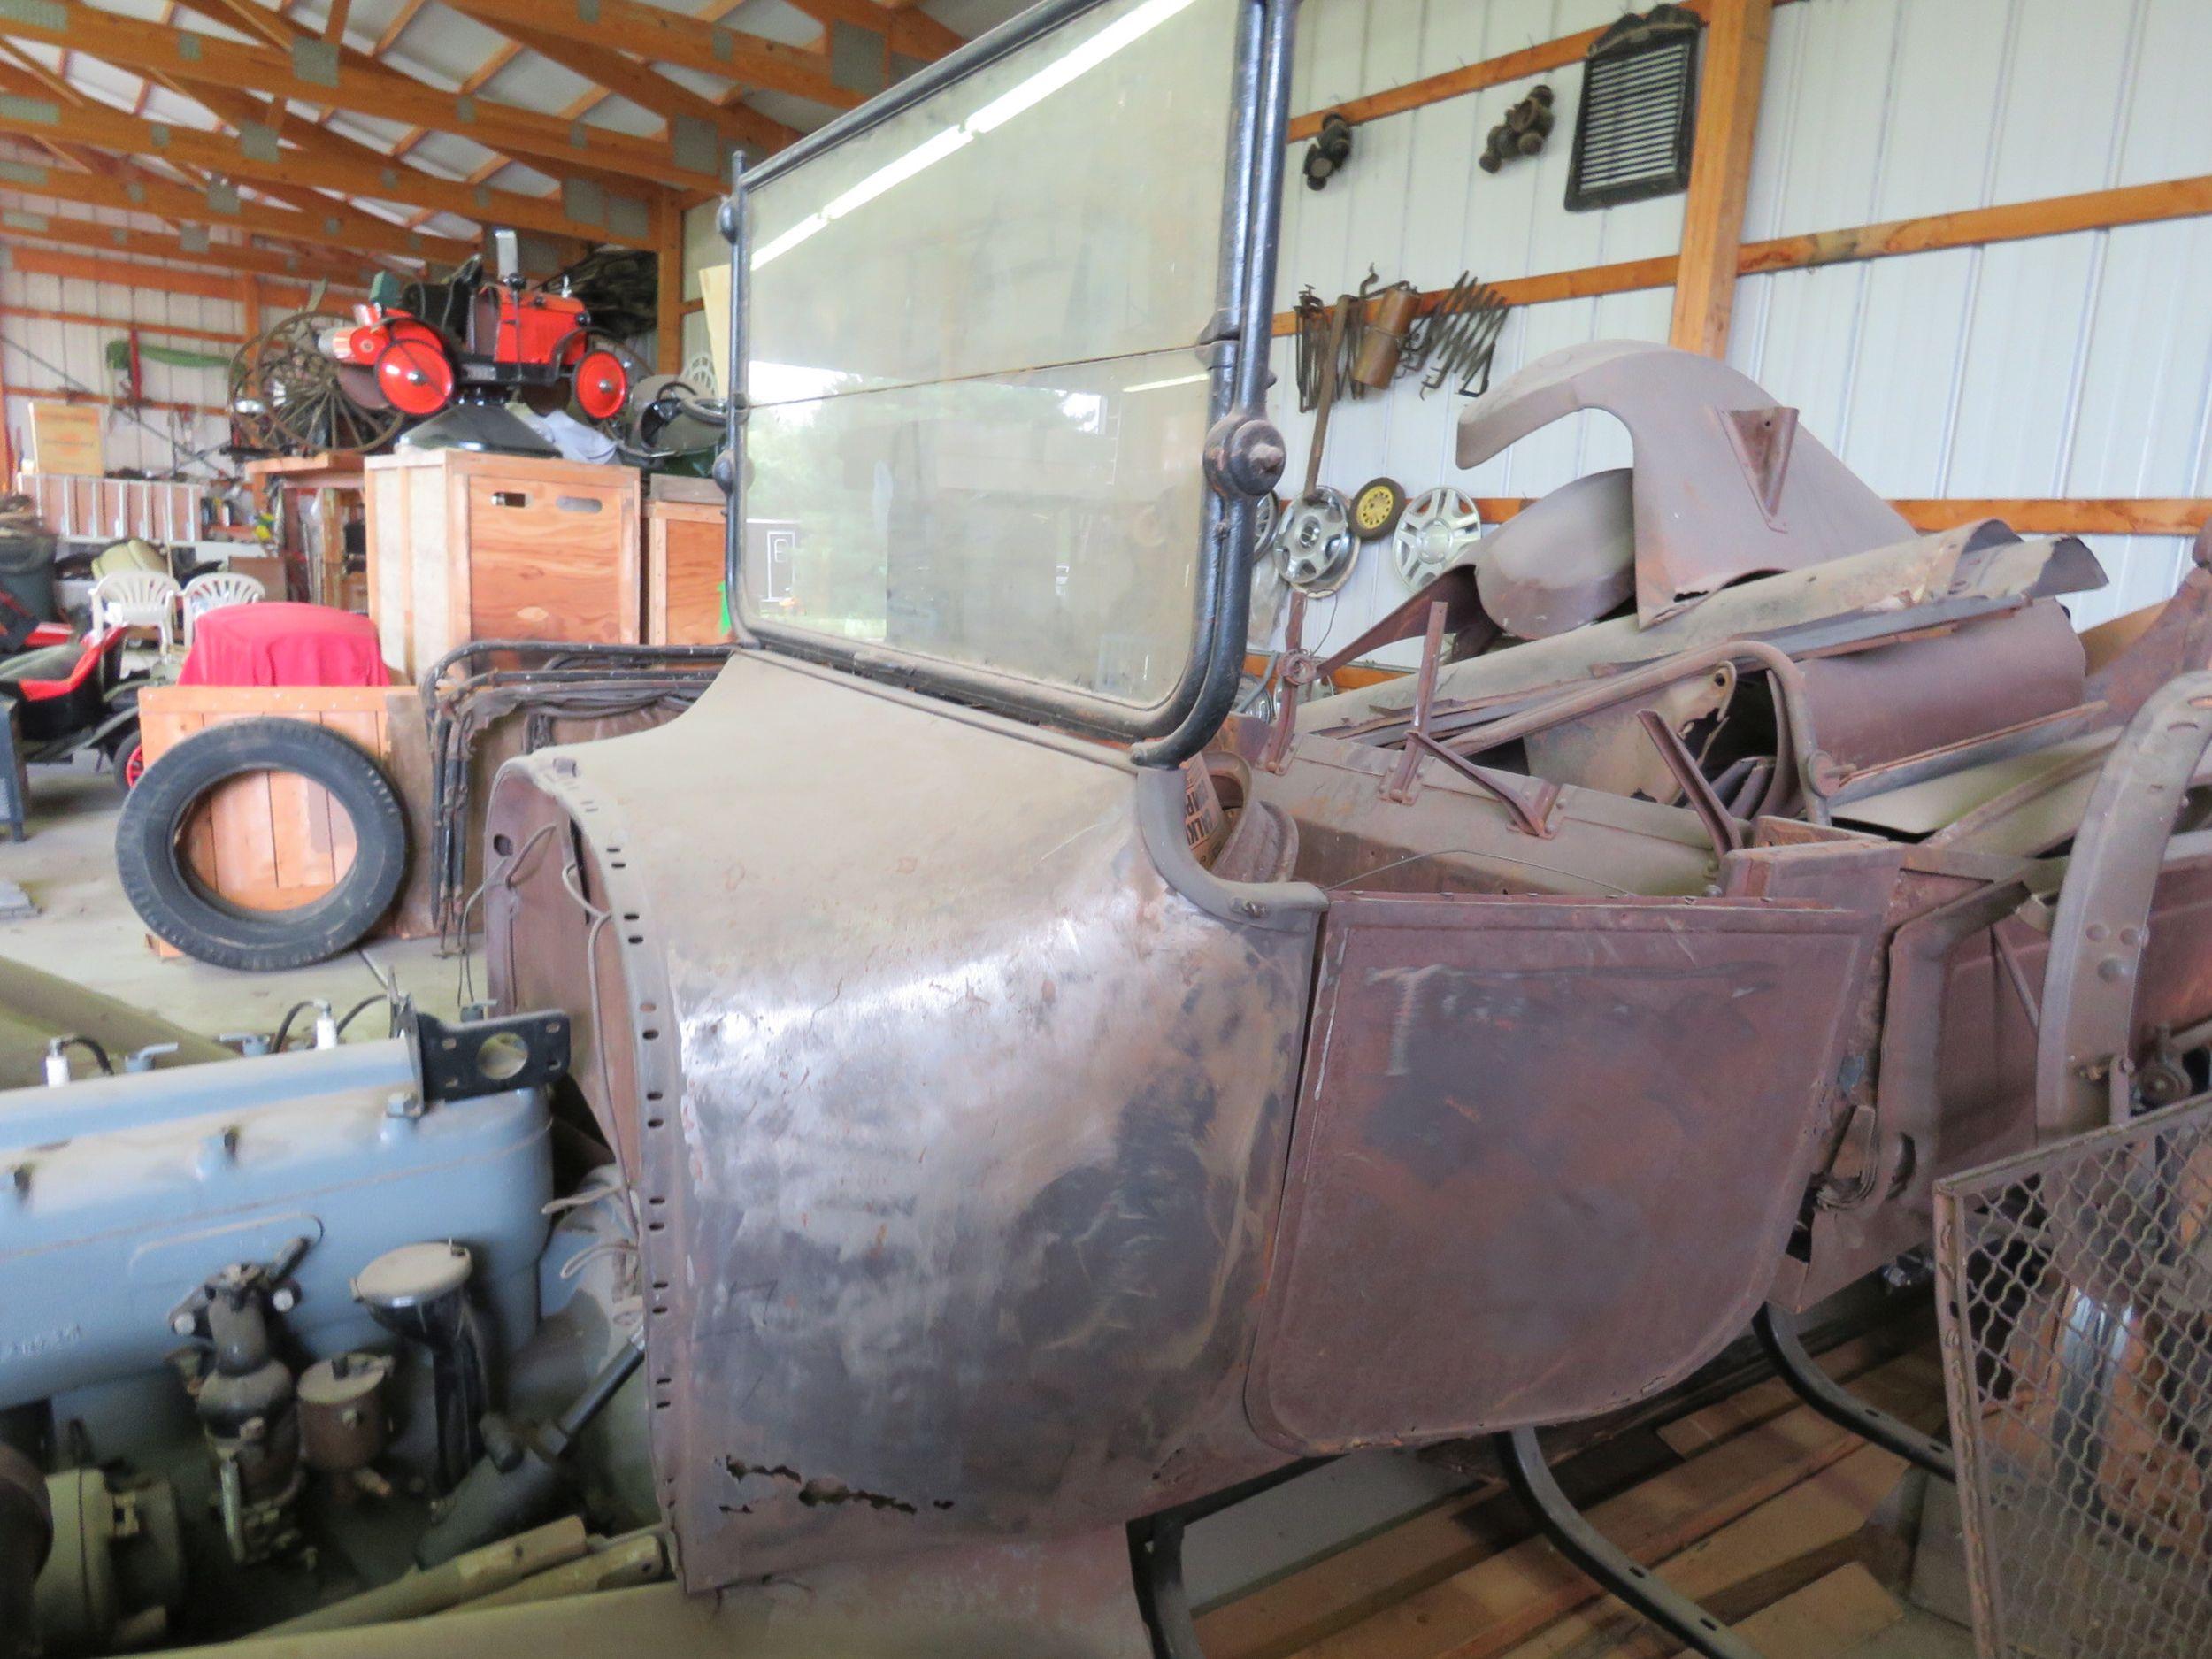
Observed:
{"x":1639,"y":110}
{"x":2076,"y":1290}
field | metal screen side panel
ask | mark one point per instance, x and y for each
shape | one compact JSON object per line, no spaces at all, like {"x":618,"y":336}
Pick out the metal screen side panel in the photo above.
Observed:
{"x":1962,"y":1399}
{"x":2076,"y":1289}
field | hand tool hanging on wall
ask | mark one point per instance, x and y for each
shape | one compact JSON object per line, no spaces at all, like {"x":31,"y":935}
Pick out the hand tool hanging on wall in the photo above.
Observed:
{"x":1314,"y":547}
{"x":1391,"y":313}
{"x":1313,"y":325}
{"x":1458,"y":338}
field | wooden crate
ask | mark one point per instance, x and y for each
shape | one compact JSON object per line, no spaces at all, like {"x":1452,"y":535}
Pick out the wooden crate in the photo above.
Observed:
{"x":273,"y":841}
{"x":464,"y":546}
{"x":683,"y":572}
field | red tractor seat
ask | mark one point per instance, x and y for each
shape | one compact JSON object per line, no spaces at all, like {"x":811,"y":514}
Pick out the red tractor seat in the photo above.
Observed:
{"x":61,"y":686}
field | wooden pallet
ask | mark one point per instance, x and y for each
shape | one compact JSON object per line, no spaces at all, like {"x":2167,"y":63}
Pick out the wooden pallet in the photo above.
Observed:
{"x":1759,"y":1508}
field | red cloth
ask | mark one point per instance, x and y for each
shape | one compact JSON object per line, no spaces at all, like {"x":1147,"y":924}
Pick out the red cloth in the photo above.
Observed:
{"x":283,"y":644}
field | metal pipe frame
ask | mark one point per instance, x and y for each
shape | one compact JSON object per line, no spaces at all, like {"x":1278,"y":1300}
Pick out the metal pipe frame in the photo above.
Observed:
{"x":1777,"y":1331}
{"x":1635,"y":1587}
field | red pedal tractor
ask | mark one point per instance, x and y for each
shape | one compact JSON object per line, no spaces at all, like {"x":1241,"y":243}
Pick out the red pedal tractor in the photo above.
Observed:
{"x":451,"y":353}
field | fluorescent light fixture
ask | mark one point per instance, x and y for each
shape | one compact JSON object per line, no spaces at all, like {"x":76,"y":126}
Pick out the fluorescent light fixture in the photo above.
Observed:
{"x":1161,"y":385}
{"x":1059,"y":72}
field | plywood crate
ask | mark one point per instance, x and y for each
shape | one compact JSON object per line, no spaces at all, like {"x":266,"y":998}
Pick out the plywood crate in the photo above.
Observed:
{"x":464,"y":546}
{"x":683,"y":572}
{"x":274,"y":840}
{"x":65,"y":439}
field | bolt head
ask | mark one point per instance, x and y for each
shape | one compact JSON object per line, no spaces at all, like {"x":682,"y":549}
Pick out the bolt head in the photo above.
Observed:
{"x":182,"y":1324}
{"x":284,"y":1299}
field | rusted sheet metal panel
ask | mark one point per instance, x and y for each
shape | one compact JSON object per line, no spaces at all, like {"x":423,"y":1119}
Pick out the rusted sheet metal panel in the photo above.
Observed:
{"x":1906,"y":699}
{"x":960,"y":1131}
{"x":1726,"y":486}
{"x":1975,"y":562}
{"x":1547,"y":1153}
{"x":1955,"y":1081}
{"x":1452,"y":837}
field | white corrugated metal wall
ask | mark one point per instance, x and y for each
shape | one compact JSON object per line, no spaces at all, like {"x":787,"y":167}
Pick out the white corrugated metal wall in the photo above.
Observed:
{"x":2076,"y":366}
{"x":39,"y":357}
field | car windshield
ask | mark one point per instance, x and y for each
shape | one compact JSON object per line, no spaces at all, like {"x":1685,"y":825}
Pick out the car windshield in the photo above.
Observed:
{"x":977,"y":411}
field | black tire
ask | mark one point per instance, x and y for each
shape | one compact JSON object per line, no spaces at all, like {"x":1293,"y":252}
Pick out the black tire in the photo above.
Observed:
{"x":127,"y":760}
{"x":178,"y":907}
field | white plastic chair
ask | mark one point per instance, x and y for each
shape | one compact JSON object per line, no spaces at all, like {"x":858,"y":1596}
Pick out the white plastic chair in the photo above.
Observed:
{"x":214,"y":590}
{"x":137,"y":599}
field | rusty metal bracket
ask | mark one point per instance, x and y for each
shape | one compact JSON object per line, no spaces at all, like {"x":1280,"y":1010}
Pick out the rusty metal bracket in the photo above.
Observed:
{"x":1295,"y":670}
{"x":1777,"y":1331}
{"x":1762,"y":439}
{"x":1401,"y":783}
{"x":1795,"y":741}
{"x":1529,"y":800}
{"x":1635,"y":1587}
{"x":1726,"y":830}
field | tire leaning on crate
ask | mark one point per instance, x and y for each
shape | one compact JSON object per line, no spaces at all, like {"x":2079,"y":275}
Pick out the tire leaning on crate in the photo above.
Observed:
{"x":178,"y":907}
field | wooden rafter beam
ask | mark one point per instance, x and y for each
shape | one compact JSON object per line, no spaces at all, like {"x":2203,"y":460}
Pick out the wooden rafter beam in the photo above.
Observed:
{"x":1729,"y":83}
{"x":673,"y":37}
{"x":340,"y":220}
{"x":156,"y":279}
{"x":18,"y":223}
{"x":128,"y":324}
{"x":1539,"y":59}
{"x":240,"y":158}
{"x":910,"y":33}
{"x":132,"y":191}
{"x":2030,"y":515}
{"x":647,"y":88}
{"x":407,"y":13}
{"x":240,"y":13}
{"x":1970,"y":227}
{"x":473,"y":83}
{"x":354,"y":83}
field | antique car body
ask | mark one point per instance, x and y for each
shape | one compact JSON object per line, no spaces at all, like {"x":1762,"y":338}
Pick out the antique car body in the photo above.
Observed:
{"x":1048,"y":1107}
{"x":1028,"y":1085}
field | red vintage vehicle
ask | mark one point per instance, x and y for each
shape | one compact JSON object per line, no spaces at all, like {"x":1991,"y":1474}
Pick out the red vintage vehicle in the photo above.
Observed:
{"x":73,"y":695}
{"x":468,"y":343}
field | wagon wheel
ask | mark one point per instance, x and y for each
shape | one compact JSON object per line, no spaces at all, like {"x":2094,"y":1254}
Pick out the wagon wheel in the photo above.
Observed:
{"x":286,"y":395}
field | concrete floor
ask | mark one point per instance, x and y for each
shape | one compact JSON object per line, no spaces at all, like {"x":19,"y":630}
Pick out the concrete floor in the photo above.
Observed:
{"x":87,"y":931}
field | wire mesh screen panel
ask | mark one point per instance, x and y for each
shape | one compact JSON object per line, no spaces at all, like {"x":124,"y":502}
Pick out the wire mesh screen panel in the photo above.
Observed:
{"x":2076,"y":1290}
{"x":1639,"y":110}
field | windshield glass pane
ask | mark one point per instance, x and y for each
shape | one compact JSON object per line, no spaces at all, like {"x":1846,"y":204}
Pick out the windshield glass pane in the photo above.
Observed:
{"x":978,"y":416}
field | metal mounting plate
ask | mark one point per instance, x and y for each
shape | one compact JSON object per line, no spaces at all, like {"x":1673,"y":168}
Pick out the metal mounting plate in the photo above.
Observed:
{"x":471,"y":1057}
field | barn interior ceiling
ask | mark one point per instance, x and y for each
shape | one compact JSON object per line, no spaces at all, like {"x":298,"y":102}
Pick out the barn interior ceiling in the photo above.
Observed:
{"x":331,"y":139}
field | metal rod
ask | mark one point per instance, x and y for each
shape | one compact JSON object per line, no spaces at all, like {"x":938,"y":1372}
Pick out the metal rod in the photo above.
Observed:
{"x":1777,"y":1331}
{"x":1635,"y":1587}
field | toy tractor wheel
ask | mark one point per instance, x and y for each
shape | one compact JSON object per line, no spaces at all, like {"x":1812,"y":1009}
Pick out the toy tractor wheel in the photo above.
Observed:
{"x":413,"y":372}
{"x":602,"y":384}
